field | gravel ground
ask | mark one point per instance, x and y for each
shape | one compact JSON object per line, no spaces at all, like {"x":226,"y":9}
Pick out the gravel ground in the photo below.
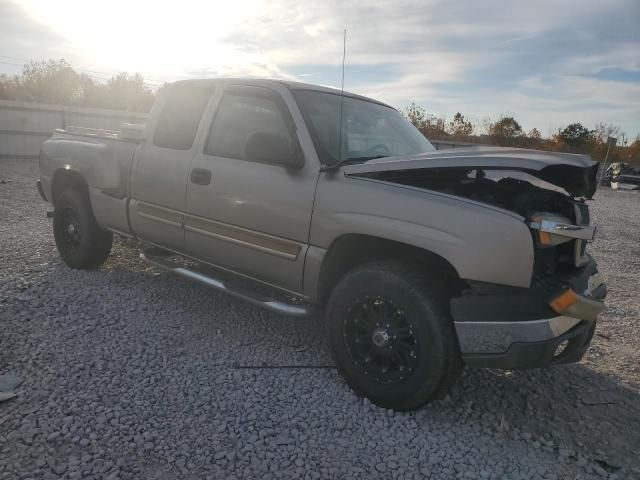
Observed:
{"x":133,"y":373}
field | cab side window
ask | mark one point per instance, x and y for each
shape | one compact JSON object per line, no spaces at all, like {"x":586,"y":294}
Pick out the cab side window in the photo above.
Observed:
{"x":180,"y":116}
{"x":248,"y":121}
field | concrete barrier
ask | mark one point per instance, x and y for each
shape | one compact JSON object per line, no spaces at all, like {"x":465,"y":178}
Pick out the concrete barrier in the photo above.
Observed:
{"x":24,"y":125}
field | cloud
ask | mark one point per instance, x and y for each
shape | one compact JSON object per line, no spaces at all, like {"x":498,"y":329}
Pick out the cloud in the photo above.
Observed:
{"x":545,"y":61}
{"x":22,"y":38}
{"x":481,"y":59}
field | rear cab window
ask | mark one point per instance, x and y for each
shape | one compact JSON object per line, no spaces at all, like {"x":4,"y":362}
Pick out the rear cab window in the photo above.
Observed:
{"x":180,"y":116}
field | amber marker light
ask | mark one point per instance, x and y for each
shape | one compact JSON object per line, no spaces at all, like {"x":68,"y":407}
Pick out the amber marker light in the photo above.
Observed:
{"x":563,"y":301}
{"x":544,"y":237}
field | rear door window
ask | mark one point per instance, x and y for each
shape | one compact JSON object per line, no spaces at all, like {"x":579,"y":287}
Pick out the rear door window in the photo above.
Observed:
{"x":180,"y":116}
{"x":242,"y":113}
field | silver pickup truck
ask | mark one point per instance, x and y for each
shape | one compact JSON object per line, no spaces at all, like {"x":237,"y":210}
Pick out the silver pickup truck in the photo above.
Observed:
{"x":303,"y":200}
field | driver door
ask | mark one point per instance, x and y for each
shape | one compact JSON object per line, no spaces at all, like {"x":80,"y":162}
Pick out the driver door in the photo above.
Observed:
{"x":246,"y":215}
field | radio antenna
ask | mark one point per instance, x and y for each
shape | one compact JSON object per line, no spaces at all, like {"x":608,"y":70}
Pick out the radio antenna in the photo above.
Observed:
{"x":344,"y":54}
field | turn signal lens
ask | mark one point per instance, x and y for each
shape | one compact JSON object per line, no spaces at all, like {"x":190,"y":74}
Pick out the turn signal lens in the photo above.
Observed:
{"x":563,"y":301}
{"x":544,"y":237}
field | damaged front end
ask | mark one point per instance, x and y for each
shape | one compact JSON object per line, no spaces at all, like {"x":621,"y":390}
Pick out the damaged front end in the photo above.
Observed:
{"x":554,"y":319}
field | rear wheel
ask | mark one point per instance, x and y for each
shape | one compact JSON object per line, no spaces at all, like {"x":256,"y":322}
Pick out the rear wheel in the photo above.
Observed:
{"x":391,"y":335}
{"x":81,"y":242}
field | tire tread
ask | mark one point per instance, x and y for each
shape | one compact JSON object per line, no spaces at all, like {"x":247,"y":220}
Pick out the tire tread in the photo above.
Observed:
{"x":99,"y":242}
{"x":434,"y":293}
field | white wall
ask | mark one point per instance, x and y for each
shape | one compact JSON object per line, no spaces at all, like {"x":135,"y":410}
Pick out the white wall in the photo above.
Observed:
{"x":24,"y":126}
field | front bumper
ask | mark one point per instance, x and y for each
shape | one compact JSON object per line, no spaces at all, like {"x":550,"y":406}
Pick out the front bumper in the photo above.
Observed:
{"x":521,"y":331}
{"x":531,"y":344}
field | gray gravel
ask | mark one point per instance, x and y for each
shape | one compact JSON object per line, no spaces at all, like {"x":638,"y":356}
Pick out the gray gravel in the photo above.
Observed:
{"x":133,"y":373}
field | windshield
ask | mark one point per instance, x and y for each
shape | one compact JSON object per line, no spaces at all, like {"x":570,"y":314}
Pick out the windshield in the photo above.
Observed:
{"x":369,"y":130}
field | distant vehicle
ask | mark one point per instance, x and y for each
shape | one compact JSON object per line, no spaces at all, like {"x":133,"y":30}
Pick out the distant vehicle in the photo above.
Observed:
{"x":622,"y":175}
{"x":299,"y":199}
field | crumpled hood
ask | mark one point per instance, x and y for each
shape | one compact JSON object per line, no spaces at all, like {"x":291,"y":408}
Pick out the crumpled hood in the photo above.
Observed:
{"x":575,"y":173}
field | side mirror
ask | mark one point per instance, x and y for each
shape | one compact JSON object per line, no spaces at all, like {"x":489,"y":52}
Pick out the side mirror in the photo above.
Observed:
{"x":273,"y":148}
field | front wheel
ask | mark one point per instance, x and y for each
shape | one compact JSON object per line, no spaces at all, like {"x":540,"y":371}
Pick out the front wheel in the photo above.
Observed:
{"x":392,"y":336}
{"x":81,"y":242}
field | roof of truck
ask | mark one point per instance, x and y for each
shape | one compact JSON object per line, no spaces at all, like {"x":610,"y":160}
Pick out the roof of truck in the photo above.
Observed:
{"x":291,"y":85}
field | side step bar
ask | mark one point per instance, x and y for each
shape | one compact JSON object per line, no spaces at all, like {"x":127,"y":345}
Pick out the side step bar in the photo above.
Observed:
{"x":291,"y":309}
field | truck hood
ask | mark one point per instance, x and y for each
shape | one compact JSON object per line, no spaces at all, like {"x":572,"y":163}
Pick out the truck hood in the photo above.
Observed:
{"x":575,"y":173}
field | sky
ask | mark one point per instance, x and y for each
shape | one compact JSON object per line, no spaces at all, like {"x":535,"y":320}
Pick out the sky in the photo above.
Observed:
{"x":546,"y":62}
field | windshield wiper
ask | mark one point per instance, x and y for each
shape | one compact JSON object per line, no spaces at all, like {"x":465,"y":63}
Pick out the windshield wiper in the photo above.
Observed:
{"x":350,"y":161}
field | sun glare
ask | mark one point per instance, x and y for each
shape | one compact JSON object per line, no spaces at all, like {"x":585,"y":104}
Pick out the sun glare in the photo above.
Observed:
{"x":161,"y":38}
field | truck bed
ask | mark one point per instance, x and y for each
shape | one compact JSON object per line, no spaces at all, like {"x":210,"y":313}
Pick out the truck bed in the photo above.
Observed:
{"x":129,"y":132}
{"x":103,"y":158}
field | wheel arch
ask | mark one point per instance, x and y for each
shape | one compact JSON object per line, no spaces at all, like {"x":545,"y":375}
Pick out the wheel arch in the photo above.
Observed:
{"x":66,"y":179}
{"x":350,"y":250}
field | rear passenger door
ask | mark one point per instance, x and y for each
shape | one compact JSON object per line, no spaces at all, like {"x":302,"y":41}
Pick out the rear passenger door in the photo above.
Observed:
{"x":161,"y":167}
{"x":243,"y":214}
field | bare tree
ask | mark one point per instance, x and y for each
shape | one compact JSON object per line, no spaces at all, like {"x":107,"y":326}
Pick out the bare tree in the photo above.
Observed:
{"x":534,"y":134}
{"x":605,"y":130}
{"x":459,"y":127}
{"x":417,"y":115}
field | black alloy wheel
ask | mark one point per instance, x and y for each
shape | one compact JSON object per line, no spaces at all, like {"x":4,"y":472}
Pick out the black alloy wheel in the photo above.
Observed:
{"x":391,"y":334}
{"x":80,"y":240}
{"x":71,"y":230}
{"x":380,"y":339}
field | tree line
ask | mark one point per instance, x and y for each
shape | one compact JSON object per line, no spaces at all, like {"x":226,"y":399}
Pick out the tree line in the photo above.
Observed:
{"x":507,"y":131}
{"x":55,"y":81}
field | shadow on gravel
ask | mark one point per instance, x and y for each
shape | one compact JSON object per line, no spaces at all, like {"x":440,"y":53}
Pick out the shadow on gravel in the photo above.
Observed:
{"x":571,"y":404}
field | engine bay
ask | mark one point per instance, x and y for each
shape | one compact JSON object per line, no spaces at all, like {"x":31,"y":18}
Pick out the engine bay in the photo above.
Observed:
{"x":507,"y":189}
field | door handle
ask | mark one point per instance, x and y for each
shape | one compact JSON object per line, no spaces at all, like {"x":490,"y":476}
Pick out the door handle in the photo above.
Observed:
{"x":201,"y":176}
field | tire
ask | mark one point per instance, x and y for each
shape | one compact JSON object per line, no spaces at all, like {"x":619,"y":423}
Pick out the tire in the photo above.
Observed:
{"x":382,"y":305}
{"x":82,"y":244}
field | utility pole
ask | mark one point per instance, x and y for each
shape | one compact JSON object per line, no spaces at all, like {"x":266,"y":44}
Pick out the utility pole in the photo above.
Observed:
{"x":611,"y":143}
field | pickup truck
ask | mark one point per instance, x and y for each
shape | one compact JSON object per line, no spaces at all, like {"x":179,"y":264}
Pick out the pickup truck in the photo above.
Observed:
{"x":306,"y":200}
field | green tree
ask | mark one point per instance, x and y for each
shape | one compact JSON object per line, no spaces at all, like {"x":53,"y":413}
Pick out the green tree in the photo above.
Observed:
{"x":576,"y":135}
{"x":632,"y":153}
{"x":506,"y":128}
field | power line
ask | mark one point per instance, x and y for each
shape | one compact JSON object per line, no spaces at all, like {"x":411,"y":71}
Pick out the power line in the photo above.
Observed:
{"x":90,"y":73}
{"x":14,"y":64}
{"x":83,"y":70}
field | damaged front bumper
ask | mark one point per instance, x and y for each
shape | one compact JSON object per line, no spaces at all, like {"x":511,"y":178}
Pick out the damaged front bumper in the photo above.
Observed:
{"x":524,"y":330}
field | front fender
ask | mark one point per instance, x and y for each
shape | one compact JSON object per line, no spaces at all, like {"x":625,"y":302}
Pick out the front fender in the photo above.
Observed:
{"x":481,"y":243}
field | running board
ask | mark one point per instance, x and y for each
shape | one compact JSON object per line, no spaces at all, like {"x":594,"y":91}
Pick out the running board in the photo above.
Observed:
{"x":291,"y":309}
